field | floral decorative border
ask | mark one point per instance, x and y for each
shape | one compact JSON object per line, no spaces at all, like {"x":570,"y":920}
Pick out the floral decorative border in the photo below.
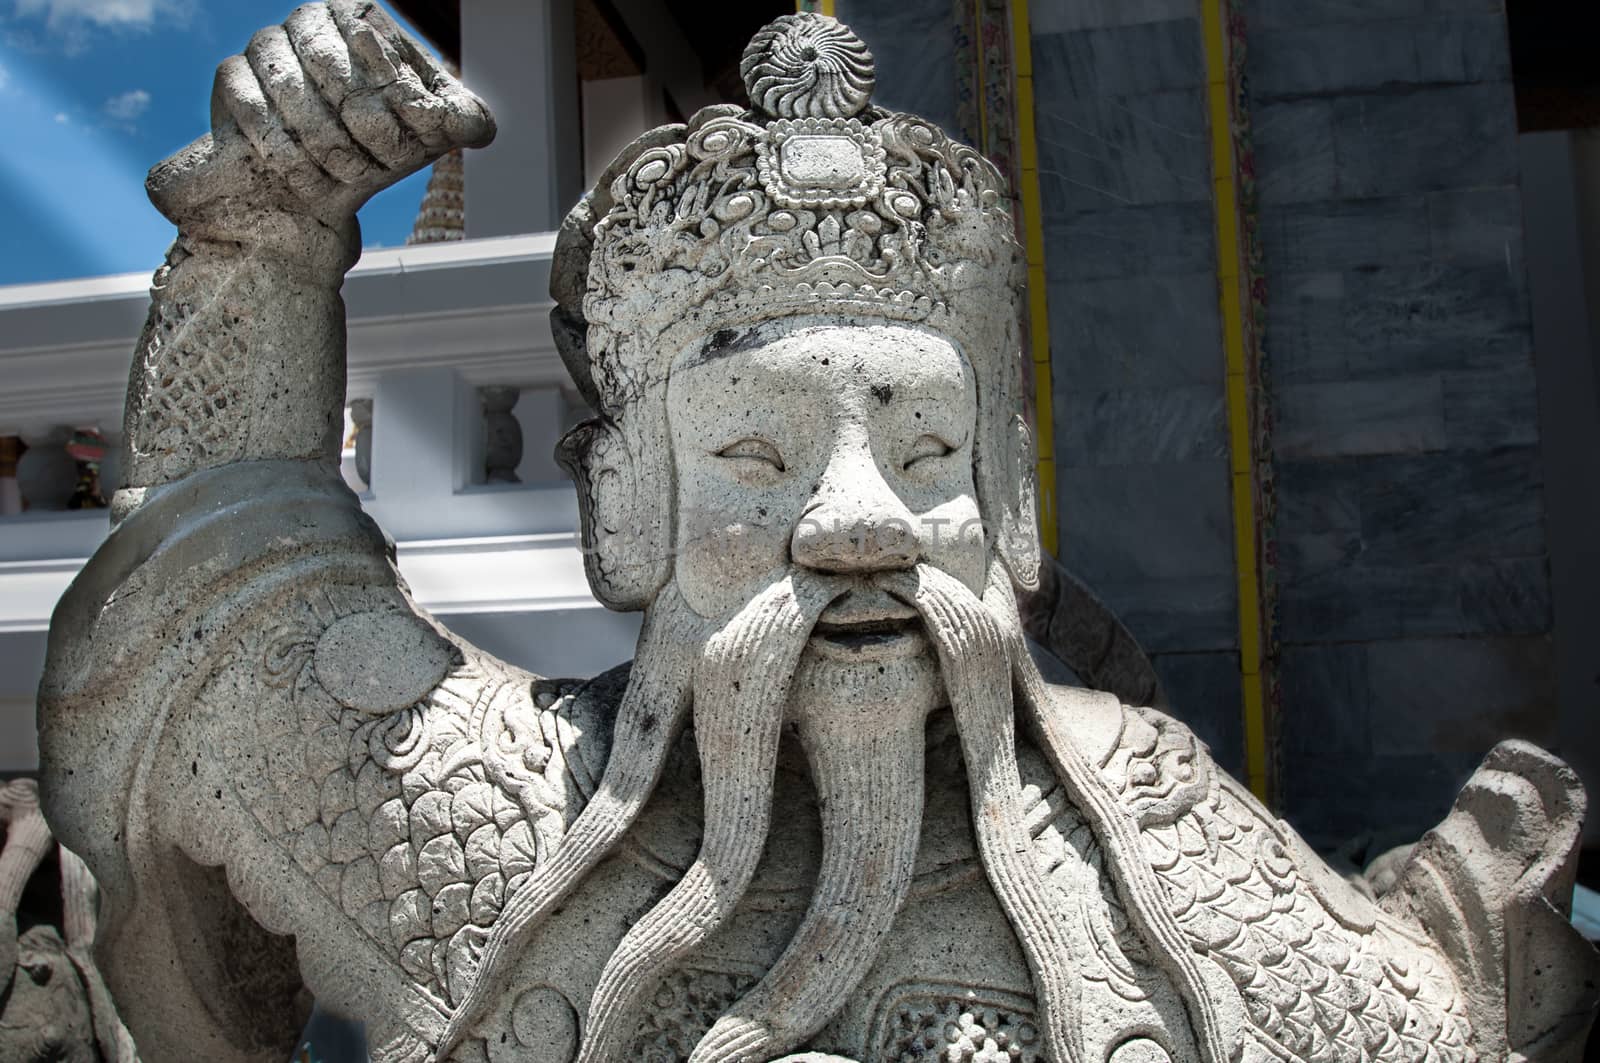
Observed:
{"x":1257,"y":360}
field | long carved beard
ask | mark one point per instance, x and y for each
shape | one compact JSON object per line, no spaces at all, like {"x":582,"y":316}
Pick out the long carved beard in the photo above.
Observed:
{"x":740,"y":686}
{"x":867,"y":767}
{"x":976,"y":657}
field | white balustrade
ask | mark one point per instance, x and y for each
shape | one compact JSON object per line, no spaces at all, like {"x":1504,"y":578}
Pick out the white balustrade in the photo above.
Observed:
{"x":434,"y":330}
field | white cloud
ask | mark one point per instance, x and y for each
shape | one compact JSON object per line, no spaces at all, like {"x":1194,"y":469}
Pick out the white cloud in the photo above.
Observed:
{"x":59,"y":14}
{"x":61,"y":118}
{"x":128,"y":106}
{"x":70,"y":25}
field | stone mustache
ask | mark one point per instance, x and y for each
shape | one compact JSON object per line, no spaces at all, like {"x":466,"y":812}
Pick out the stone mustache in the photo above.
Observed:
{"x":831,"y":808}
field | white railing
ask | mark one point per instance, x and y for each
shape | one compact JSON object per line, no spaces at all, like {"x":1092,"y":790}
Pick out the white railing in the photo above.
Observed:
{"x":430,"y":327}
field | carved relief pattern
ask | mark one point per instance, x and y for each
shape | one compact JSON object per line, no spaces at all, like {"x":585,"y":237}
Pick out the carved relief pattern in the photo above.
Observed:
{"x":1072,"y":856}
{"x":417,"y":822}
{"x":695,"y":221}
{"x":1313,"y":988}
{"x":684,"y":1007}
{"x":190,"y":370}
{"x":930,"y":1025}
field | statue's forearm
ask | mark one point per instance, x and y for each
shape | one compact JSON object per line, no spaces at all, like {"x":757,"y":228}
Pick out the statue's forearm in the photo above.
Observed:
{"x":242,"y":357}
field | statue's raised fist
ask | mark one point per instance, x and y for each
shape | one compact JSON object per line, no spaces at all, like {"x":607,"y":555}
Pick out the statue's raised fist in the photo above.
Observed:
{"x":319,"y":114}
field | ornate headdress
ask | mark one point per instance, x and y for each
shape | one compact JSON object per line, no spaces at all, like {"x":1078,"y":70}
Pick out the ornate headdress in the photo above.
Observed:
{"x":814,"y":202}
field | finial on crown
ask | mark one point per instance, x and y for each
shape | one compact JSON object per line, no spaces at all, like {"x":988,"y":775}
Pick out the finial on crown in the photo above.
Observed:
{"x":807,"y":66}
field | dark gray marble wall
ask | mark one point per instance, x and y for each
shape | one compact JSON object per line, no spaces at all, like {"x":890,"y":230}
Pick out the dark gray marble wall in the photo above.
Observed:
{"x":913,"y":44}
{"x":1414,"y":594}
{"x":1141,"y":448}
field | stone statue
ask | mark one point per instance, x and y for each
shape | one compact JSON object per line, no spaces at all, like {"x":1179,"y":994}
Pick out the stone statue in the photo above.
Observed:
{"x":831,"y":808}
{"x":54,"y":1006}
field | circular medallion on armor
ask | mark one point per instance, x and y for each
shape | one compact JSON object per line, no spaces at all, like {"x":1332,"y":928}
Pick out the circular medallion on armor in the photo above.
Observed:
{"x":379,"y":662}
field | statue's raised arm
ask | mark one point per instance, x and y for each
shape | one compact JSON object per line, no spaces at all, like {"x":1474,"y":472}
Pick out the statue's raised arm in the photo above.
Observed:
{"x":242,"y":358}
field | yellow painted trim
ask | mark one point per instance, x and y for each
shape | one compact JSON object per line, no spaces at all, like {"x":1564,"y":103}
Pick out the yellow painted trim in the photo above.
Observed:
{"x":1241,"y":447}
{"x":1033,"y":246}
{"x":821,"y":7}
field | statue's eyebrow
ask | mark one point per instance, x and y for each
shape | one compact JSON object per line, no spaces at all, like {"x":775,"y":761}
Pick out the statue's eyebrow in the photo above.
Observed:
{"x":726,"y":341}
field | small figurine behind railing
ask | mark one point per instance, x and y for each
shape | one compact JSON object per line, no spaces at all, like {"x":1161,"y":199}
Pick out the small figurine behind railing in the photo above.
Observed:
{"x":88,"y":448}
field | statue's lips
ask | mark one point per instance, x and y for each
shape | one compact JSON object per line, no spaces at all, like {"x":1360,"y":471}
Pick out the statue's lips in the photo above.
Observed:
{"x":868,"y":640}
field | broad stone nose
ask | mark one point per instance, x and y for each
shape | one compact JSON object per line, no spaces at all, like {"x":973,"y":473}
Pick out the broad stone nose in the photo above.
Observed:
{"x":855,"y":523}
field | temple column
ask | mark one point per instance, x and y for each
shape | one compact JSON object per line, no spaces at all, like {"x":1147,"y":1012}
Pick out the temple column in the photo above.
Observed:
{"x":520,"y":56}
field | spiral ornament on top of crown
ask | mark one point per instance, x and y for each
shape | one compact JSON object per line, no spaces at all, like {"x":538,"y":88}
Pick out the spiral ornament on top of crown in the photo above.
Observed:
{"x":807,"y":66}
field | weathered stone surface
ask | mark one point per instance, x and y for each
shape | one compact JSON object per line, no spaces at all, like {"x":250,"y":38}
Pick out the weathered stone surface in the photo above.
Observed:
{"x":1377,"y":54}
{"x":1109,"y":151}
{"x":1160,"y":239}
{"x":1345,"y":418}
{"x":831,"y":813}
{"x":1094,"y":62}
{"x":1116,"y":334}
{"x":1401,"y":321}
{"x":1140,"y":426}
{"x":1203,"y":690}
{"x":54,"y":1007}
{"x":1398,"y":600}
{"x":1349,"y":234}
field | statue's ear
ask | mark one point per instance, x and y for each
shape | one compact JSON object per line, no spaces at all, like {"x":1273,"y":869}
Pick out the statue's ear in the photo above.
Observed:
{"x":624,"y":506}
{"x":1017,"y":537}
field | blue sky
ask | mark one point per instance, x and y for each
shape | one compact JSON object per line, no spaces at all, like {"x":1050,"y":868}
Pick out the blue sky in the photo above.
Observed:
{"x":92,"y":94}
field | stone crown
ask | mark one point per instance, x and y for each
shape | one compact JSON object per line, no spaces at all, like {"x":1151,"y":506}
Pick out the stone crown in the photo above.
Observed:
{"x":812,"y":202}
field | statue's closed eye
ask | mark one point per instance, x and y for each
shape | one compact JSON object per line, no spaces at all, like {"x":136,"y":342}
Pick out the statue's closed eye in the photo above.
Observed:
{"x":755,"y":450}
{"x":926,"y":447}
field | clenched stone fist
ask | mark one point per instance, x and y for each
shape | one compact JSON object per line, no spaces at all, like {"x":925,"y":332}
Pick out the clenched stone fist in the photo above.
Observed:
{"x":316,"y":116}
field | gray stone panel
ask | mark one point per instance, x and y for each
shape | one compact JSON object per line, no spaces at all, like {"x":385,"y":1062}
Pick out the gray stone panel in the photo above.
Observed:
{"x":1134,"y":241}
{"x":1347,"y":234}
{"x":1294,"y":146}
{"x":1368,"y":601}
{"x":1097,"y":153}
{"x":1451,"y":506}
{"x":1461,"y":696}
{"x":1323,"y":60}
{"x":1118,"y":60}
{"x":1138,"y":426}
{"x":1055,"y":16}
{"x":1326,"y":700}
{"x":1159,"y":331}
{"x":1400,"y":321}
{"x":1369,"y":803}
{"x":1184,"y":614}
{"x":1343,"y":418}
{"x":1378,"y":54}
{"x":914,"y":49}
{"x":1304,"y":338}
{"x":1413,"y":591}
{"x":1457,"y":136}
{"x":1319,"y":518}
{"x":1270,"y":14}
{"x":1125,"y":174}
{"x":1478,"y":227}
{"x":1492,"y":408}
{"x":1203,"y":690}
{"x":1167,"y":521}
{"x":1385,"y":512}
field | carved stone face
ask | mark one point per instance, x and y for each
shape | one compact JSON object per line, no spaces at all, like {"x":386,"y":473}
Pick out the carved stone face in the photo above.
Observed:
{"x":842,"y":448}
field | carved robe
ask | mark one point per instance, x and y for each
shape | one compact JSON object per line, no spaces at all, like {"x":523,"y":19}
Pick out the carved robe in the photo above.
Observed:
{"x":325,"y":785}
